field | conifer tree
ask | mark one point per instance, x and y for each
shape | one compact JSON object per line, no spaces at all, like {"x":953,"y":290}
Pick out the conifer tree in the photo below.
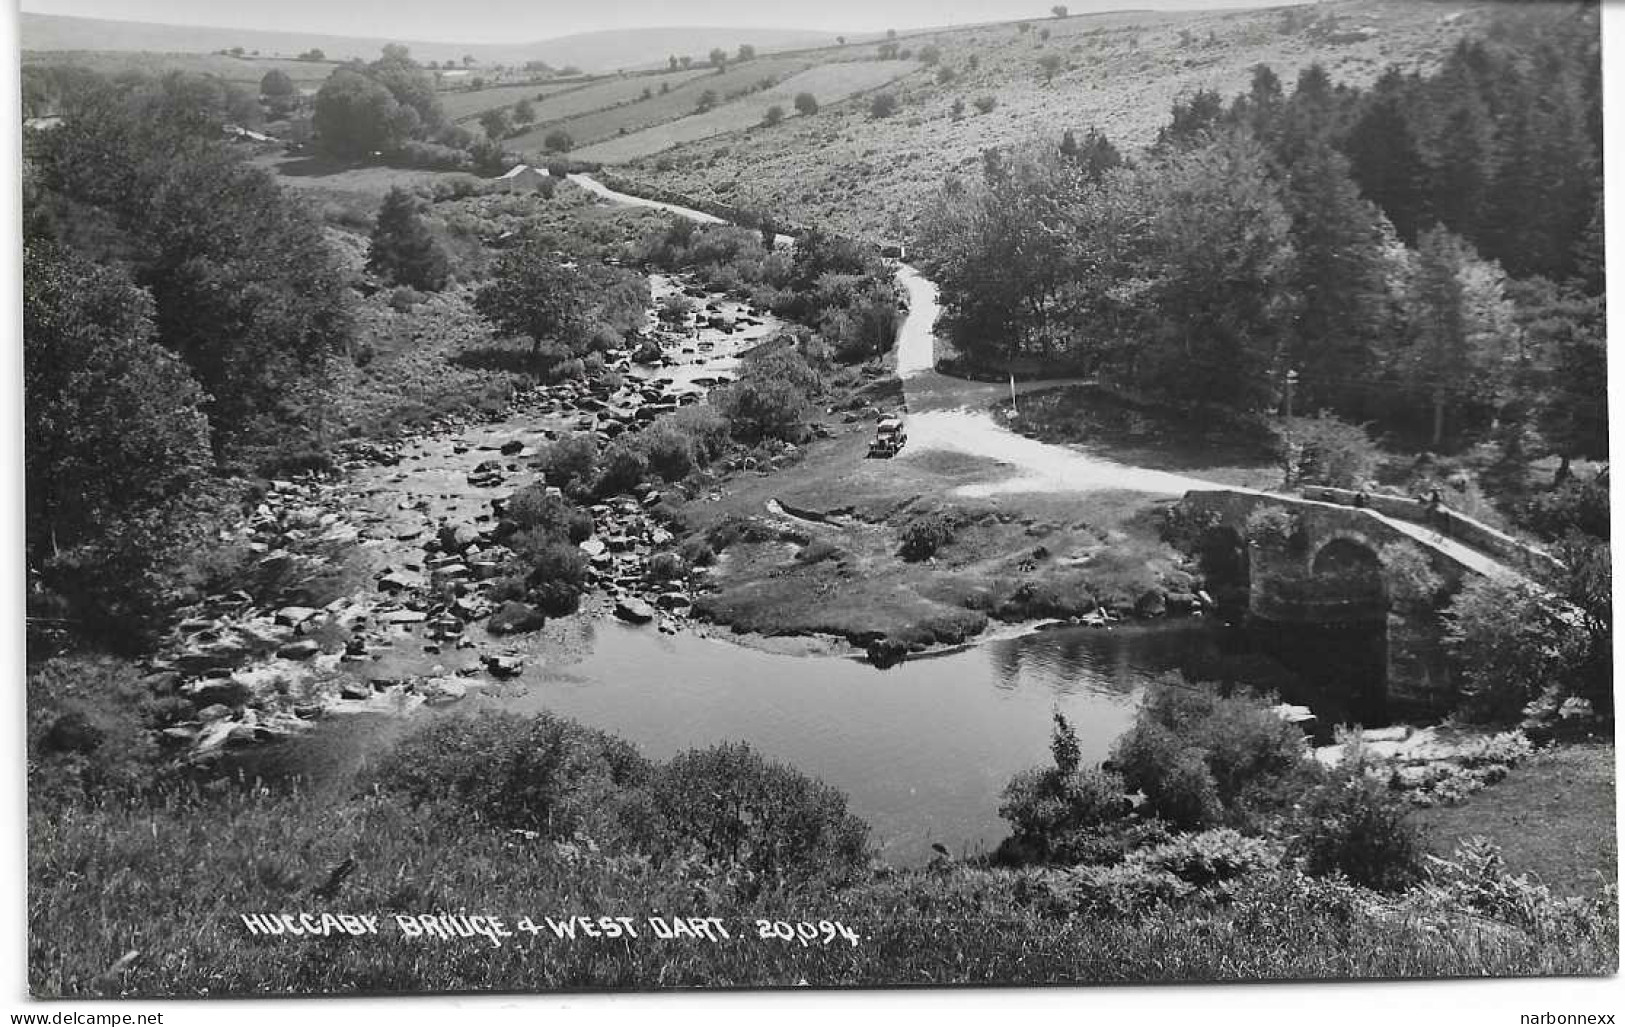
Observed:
{"x":403,"y":252}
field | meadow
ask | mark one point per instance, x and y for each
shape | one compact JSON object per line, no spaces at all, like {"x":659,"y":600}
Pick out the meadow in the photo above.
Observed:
{"x":617,"y":104}
{"x":828,"y":83}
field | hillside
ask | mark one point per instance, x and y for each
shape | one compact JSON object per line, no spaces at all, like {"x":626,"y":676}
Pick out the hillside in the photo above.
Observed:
{"x":591,"y":51}
{"x":1118,"y":72}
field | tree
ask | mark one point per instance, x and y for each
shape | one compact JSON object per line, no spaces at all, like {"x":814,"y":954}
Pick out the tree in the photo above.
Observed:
{"x":1339,"y":276}
{"x":1461,"y":321}
{"x":1059,"y":10}
{"x":1385,"y":156}
{"x":411,"y":86}
{"x":1049,"y":64}
{"x":718,"y":58}
{"x":403,"y":251}
{"x":671,"y":63}
{"x":558,"y":141}
{"x":707,"y":101}
{"x":524,"y":112}
{"x":774,"y":115}
{"x":806,"y":104}
{"x":357,"y":116}
{"x":277,"y":84}
{"x":883,"y":105}
{"x":313,"y":54}
{"x":113,"y":425}
{"x":1219,"y":251}
{"x":930,"y":54}
{"x":746,"y":53}
{"x":532,"y":294}
{"x":686,"y":61}
{"x":496,"y":123}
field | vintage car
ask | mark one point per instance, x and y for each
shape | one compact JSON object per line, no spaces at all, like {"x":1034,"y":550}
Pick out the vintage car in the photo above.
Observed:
{"x":889,"y":436}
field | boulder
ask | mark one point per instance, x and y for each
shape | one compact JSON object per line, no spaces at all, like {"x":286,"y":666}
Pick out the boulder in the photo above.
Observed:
{"x":503,"y":666}
{"x":293,"y":616}
{"x":515,"y":617}
{"x":634,"y":611}
{"x":403,"y":617}
{"x":436,"y":691}
{"x":302,"y":650}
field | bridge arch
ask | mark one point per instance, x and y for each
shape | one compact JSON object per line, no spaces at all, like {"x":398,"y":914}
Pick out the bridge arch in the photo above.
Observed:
{"x":1348,"y":565}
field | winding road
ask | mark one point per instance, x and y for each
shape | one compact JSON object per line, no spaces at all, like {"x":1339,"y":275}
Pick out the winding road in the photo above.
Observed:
{"x":952,"y":414}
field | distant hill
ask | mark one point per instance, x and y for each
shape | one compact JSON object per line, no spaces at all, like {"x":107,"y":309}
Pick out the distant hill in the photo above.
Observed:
{"x":591,"y":51}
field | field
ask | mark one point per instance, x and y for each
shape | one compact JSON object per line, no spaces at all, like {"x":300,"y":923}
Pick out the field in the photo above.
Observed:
{"x":828,"y":83}
{"x":245,"y":71}
{"x":550,"y":97}
{"x":686,"y":89}
{"x":1119,"y":73}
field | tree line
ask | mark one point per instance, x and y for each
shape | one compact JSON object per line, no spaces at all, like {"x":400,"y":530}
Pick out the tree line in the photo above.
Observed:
{"x":180,"y":314}
{"x":1425,"y":254}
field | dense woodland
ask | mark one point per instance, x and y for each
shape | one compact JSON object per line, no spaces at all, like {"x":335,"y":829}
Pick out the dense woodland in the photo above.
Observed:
{"x":1425,"y":255}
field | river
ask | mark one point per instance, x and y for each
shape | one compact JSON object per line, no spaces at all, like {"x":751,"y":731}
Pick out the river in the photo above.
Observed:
{"x":922,"y":750}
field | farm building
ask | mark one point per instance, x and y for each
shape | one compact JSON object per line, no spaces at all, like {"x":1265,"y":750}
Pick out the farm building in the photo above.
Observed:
{"x":522,"y":178}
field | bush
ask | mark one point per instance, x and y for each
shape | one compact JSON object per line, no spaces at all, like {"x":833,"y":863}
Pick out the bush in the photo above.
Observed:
{"x":571,"y":461}
{"x":1507,"y":644}
{"x":730,"y":806}
{"x":1575,"y":506}
{"x":533,"y":508}
{"x":985,"y":104}
{"x":697,"y":552}
{"x":1272,"y":527}
{"x":884,"y":105}
{"x":621,"y":469}
{"x":806,"y":104}
{"x":1211,"y":856}
{"x":1413,"y":585}
{"x":926,"y":535}
{"x":540,"y":773}
{"x":558,"y":141}
{"x":558,"y":572}
{"x":404,"y":298}
{"x":665,"y":567}
{"x":1355,"y":826}
{"x":1325,"y":450}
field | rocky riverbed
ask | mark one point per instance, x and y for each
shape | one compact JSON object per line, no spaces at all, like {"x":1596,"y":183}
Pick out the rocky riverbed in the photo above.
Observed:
{"x":412,"y":529}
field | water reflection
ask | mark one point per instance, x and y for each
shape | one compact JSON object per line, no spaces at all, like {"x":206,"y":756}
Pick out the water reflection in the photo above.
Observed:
{"x":922,"y":750}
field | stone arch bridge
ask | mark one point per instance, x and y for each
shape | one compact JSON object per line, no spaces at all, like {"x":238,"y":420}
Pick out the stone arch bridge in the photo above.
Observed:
{"x":1332,"y":559}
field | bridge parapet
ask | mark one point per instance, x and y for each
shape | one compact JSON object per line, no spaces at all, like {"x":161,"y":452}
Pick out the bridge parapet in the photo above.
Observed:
{"x":1521,"y":556}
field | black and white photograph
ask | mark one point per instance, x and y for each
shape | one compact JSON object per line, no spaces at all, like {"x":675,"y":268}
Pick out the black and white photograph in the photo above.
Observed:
{"x":544,"y":500}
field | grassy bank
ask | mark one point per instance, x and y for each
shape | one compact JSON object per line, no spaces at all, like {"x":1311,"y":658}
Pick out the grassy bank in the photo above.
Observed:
{"x":114,"y":864}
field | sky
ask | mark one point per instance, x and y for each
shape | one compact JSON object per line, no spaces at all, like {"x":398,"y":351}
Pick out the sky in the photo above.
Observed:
{"x":509,"y":21}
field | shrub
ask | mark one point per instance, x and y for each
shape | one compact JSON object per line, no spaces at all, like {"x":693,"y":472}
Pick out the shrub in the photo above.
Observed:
{"x":571,"y":461}
{"x":985,"y":104}
{"x":806,"y":104}
{"x":1272,"y":527}
{"x":558,"y":572}
{"x":926,"y":535}
{"x":817,"y":551}
{"x":665,"y":567}
{"x":1575,"y":506}
{"x":1355,"y":826}
{"x":774,"y":115}
{"x":533,"y":508}
{"x":1507,"y":644}
{"x":558,"y":141}
{"x":1325,"y":450}
{"x":884,"y":105}
{"x":403,"y":298}
{"x":540,"y":773}
{"x":1413,"y":584}
{"x":1212,"y":856}
{"x":731,"y":806}
{"x":697,"y":552}
{"x":621,"y":469}
{"x":669,"y":452}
